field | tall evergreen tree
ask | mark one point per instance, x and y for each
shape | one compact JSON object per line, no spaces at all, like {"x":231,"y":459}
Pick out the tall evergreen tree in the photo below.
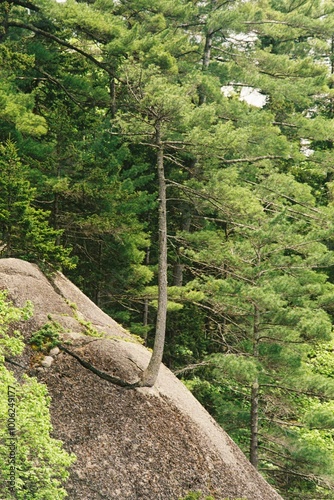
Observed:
{"x":25,"y":231}
{"x":270,"y":302}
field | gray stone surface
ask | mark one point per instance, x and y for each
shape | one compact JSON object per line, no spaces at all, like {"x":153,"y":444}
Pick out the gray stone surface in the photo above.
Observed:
{"x":47,"y":361}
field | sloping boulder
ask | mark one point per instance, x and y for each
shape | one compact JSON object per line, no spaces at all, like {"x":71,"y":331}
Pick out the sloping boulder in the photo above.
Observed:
{"x":149,"y":444}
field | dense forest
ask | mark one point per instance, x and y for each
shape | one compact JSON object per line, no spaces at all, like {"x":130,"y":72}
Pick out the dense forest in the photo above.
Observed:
{"x":198,"y":134}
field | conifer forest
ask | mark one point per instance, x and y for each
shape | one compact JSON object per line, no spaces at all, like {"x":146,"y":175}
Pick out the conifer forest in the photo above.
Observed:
{"x":175,"y":159}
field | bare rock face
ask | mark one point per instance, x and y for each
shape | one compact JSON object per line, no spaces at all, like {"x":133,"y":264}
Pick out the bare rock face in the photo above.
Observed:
{"x":147,"y":444}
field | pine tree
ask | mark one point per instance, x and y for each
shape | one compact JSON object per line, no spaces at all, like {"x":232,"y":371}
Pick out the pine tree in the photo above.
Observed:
{"x":270,"y":302}
{"x":25,"y":231}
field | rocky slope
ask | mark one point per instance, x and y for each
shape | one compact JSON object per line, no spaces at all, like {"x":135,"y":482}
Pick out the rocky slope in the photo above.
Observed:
{"x":131,"y":444}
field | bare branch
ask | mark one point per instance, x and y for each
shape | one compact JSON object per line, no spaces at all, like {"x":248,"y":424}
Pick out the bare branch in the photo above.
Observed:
{"x":99,"y":373}
{"x":293,"y":200}
{"x":8,"y":360}
{"x":192,"y":367}
{"x":289,"y":389}
{"x":252,"y":160}
{"x":57,"y":82}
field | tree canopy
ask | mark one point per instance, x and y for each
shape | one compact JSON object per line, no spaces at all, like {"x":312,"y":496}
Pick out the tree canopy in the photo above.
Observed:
{"x":175,"y":159}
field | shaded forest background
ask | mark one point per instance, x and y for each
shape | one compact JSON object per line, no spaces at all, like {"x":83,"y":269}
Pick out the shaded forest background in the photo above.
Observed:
{"x":90,"y":95}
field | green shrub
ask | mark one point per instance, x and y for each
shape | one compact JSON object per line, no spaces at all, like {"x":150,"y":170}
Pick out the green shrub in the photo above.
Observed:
{"x":35,"y":461}
{"x":196,"y":495}
{"x":47,"y":337}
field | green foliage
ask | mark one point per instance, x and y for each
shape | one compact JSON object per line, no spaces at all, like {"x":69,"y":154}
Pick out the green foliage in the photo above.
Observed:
{"x":47,"y":337}
{"x":196,"y":495}
{"x":17,"y":108}
{"x":11,"y":343}
{"x":250,"y":194}
{"x":41,"y":463}
{"x":89,"y":329}
{"x":321,"y":360}
{"x":185,"y":342}
{"x":24,"y":230}
{"x":264,"y":294}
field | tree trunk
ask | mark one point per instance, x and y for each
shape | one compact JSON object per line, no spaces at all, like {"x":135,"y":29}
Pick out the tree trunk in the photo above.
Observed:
{"x":146,"y":303}
{"x":207,"y":50}
{"x":97,"y":290}
{"x":254,"y":417}
{"x":149,"y":376}
{"x":113,"y":97}
{"x":254,"y":459}
{"x":178,"y":274}
{"x":56,"y":198}
{"x":206,"y":62}
{"x":178,"y":266}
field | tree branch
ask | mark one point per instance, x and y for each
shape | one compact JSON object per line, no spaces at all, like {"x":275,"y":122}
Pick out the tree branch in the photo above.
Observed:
{"x":253,"y":160}
{"x":293,"y":200}
{"x":191,"y":367}
{"x":309,"y":477}
{"x":31,"y":27}
{"x":289,"y":389}
{"x":8,"y":360}
{"x":99,"y":373}
{"x":27,"y":5}
{"x":57,"y":82}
